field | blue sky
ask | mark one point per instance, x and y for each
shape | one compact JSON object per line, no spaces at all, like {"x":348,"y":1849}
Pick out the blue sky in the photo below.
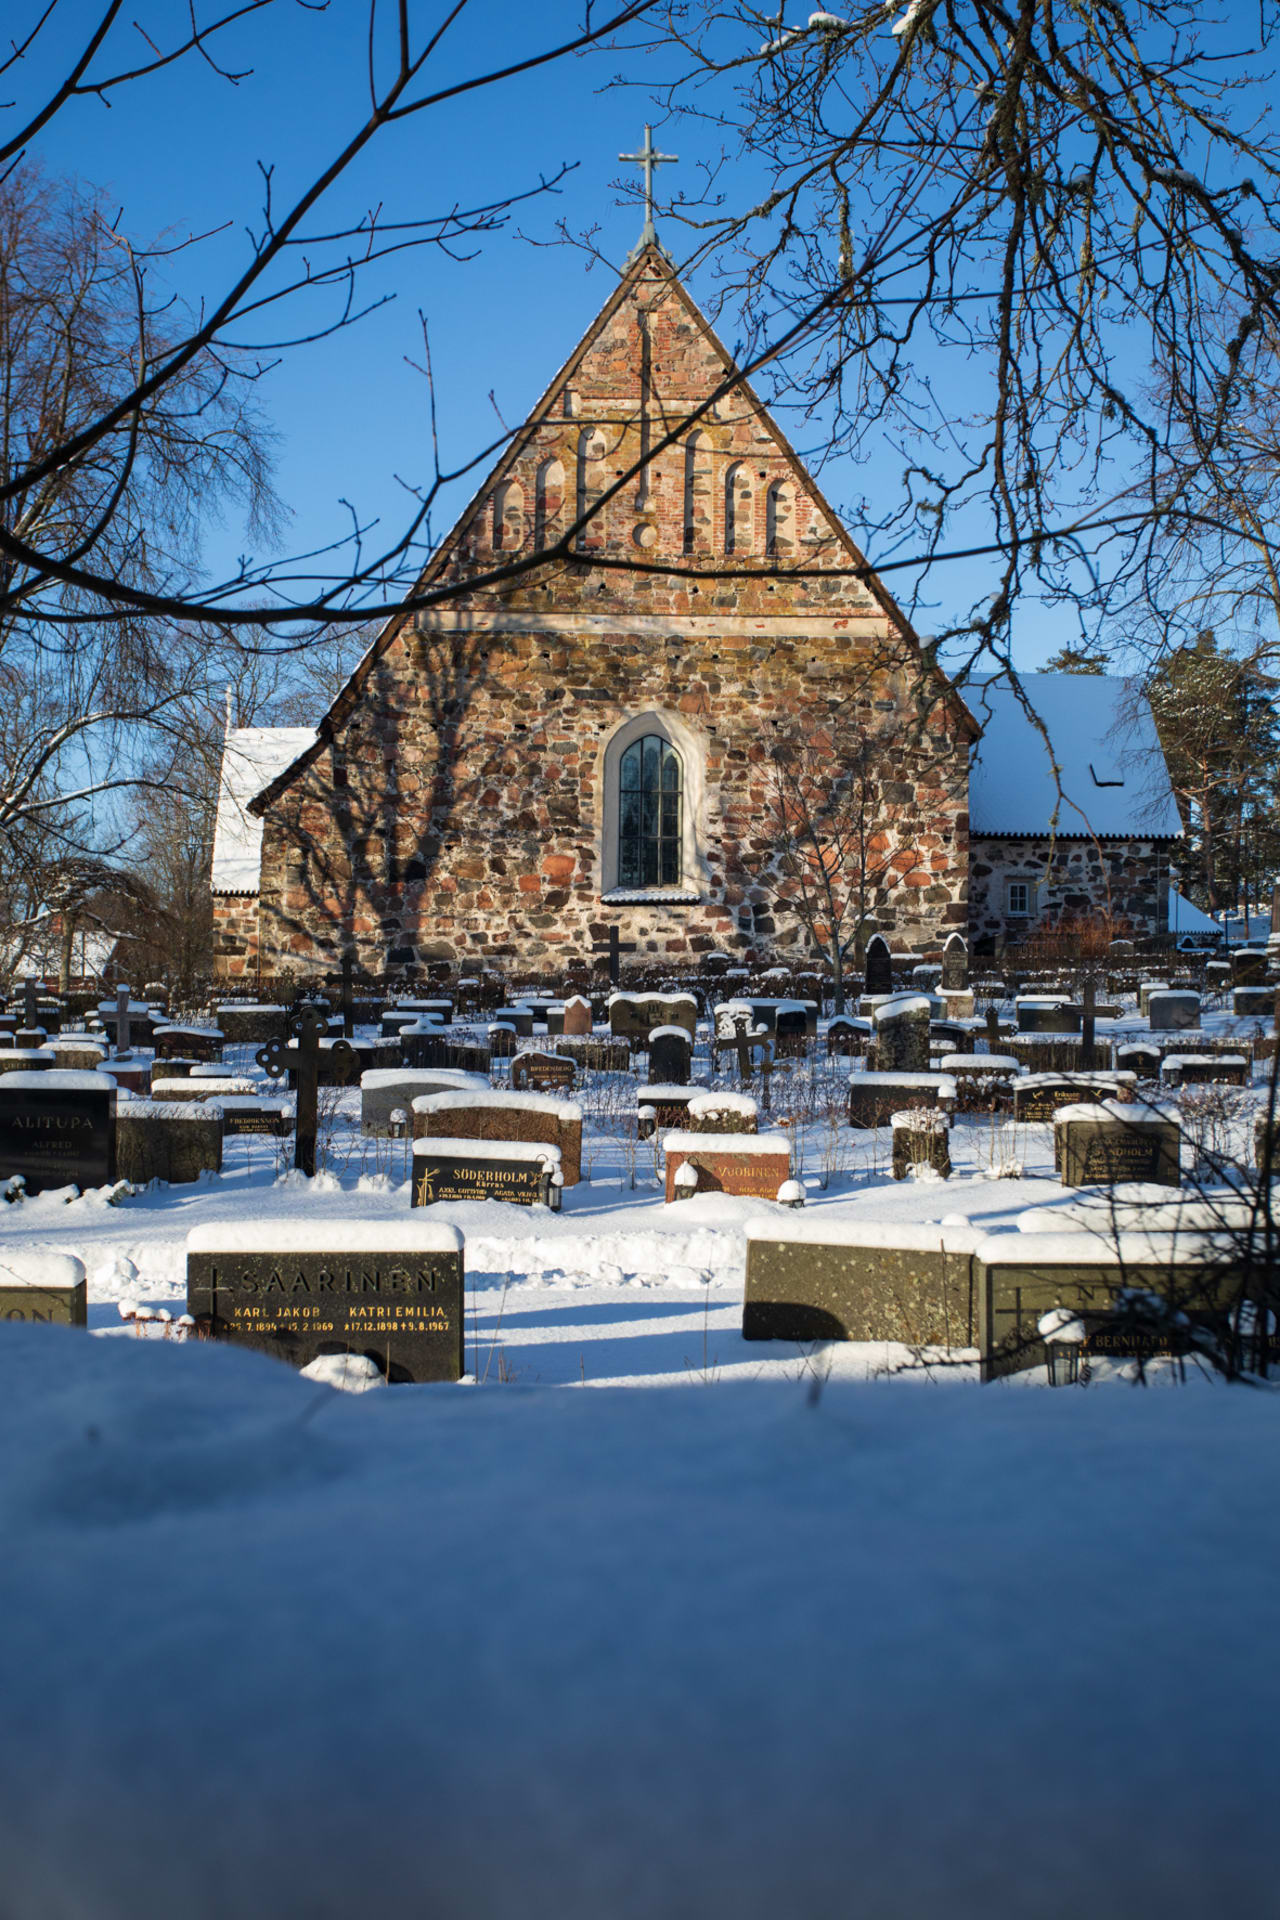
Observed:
{"x":180,"y":154}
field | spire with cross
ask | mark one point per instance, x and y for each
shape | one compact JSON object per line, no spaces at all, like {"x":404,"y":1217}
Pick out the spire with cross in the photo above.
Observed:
{"x":648,"y":158}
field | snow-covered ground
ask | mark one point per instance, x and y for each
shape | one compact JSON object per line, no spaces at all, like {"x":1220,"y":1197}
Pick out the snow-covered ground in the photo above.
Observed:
{"x":803,"y":1634}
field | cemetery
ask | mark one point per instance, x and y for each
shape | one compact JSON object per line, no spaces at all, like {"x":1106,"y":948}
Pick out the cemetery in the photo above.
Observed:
{"x":804,"y":1178}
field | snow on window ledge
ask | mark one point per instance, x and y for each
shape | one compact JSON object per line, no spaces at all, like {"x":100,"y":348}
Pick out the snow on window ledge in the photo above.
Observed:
{"x":650,"y":896}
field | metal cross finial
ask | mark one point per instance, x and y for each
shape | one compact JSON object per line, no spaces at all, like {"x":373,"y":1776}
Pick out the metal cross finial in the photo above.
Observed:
{"x":649,"y":158}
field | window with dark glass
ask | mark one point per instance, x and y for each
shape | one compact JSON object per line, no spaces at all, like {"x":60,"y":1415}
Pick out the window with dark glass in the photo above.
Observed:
{"x":649,"y":814}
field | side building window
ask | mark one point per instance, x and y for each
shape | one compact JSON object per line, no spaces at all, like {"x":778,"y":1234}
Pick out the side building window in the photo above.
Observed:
{"x":650,"y":802}
{"x":1019,"y":899}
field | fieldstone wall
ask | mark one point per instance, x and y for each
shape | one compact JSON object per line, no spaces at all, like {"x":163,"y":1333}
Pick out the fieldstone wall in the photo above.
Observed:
{"x":1128,"y":879}
{"x":235,"y":937}
{"x":456,"y":808}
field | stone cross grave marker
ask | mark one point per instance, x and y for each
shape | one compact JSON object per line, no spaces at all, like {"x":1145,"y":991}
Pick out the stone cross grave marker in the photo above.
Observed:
{"x":993,"y":1029}
{"x":30,"y":1002}
{"x":308,"y":1025}
{"x":615,"y":948}
{"x":342,"y":978}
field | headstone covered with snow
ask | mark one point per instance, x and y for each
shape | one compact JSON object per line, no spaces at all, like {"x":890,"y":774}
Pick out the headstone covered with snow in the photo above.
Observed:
{"x":524,"y":1172}
{"x":955,"y":964}
{"x":1115,"y":1141}
{"x":670,"y":1055}
{"x":901,"y":1029}
{"x":43,"y":1287}
{"x":536,"y":1118}
{"x":391,"y":1290}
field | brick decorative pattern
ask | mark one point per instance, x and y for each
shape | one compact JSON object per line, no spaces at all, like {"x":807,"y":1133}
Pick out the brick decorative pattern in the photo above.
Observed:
{"x":456,"y":810}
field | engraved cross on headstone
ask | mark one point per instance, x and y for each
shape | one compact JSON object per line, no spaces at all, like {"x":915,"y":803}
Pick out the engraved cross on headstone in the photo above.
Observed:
{"x":615,"y":948}
{"x":308,"y":1026}
{"x":648,"y":158}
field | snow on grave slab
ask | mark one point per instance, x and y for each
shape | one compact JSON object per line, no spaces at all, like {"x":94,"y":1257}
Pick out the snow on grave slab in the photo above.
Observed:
{"x":1116,"y":1141}
{"x":57,"y":1128}
{"x":1137,"y":1294}
{"x":47,"y":1288}
{"x":733,"y":1163}
{"x":390,"y":1289}
{"x":383,"y":1090}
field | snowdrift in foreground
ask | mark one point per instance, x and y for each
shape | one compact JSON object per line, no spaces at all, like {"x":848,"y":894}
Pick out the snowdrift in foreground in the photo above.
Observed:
{"x":275,"y":1650}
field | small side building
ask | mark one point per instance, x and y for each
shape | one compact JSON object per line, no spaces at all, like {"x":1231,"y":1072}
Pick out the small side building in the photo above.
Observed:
{"x":1073,"y":821}
{"x":252,"y":757}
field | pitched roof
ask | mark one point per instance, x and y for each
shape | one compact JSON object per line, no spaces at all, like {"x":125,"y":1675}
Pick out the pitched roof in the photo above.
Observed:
{"x":252,"y":758}
{"x":1111,"y":768}
{"x":648,"y":266}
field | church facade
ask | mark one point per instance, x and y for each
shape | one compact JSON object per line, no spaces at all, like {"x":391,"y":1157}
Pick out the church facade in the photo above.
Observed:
{"x":594,"y":741}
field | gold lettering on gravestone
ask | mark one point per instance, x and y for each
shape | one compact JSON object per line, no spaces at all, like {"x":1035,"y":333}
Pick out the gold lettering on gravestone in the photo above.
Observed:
{"x":1112,"y":1156}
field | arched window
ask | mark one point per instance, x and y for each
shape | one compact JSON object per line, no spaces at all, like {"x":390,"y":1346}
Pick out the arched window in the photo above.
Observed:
{"x":591,"y":483}
{"x":737,"y":510}
{"x":508,"y":516}
{"x":780,"y":519}
{"x":547,"y":501}
{"x":650,"y":798}
{"x":697,"y":494}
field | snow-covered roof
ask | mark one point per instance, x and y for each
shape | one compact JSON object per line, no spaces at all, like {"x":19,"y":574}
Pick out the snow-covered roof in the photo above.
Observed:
{"x":1186,"y":917}
{"x":252,"y":757}
{"x":1111,"y":767}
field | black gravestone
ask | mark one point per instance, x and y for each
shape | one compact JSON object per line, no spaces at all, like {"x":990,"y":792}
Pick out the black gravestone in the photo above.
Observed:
{"x":402,"y":1308}
{"x":434,"y":1050}
{"x":54,"y":1134}
{"x":670,"y":1057}
{"x":879,"y":965}
{"x":791,"y":1030}
{"x":447,"y":1173}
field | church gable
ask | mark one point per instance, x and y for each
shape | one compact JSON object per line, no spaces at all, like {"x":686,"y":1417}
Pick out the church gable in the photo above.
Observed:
{"x":482,"y":786}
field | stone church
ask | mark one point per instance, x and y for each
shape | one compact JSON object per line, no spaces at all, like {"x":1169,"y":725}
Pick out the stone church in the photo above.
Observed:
{"x":651,"y":607}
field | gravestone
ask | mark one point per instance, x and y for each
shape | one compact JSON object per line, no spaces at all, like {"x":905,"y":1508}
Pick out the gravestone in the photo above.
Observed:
{"x":1043,"y":1015}
{"x":984,"y":1082}
{"x":921,"y":1139}
{"x":43,"y":1288}
{"x":879,"y":965}
{"x":535,"y":1118}
{"x":423,"y":1049}
{"x":818,"y":1279}
{"x":58,"y":1129}
{"x":1140,"y":1057}
{"x":670,"y":1056}
{"x":1249,"y":966}
{"x":519,"y":1019}
{"x":27,"y":1060}
{"x":384,"y":1090}
{"x":156,"y":1141}
{"x":901,"y":1029}
{"x":721,"y":1113}
{"x":188,"y":1043}
{"x":251,"y":1115}
{"x":1088,"y":1026}
{"x":1114,"y":1292}
{"x":577,"y":1015}
{"x":1205,"y":1069}
{"x":1249,"y":1003}
{"x":875,"y":1097}
{"x":1112,"y":1142}
{"x":734,"y":1163}
{"x":520,"y":1172}
{"x":596,"y":1056}
{"x":1170,"y":1011}
{"x":659,"y":1107}
{"x":1039,"y":1096}
{"x":847,"y":1036}
{"x":389,"y":1289}
{"x":791,"y":1030}
{"x":955,"y":964}
{"x":542,"y":1073}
